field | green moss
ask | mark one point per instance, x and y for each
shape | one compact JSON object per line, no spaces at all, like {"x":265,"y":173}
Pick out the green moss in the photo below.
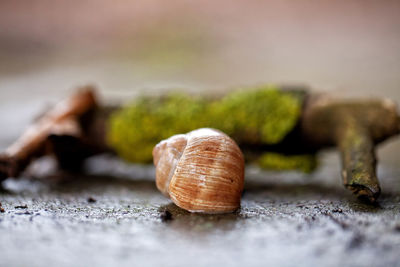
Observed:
{"x":262,"y":115}
{"x":137,"y":128}
{"x":305,"y":163}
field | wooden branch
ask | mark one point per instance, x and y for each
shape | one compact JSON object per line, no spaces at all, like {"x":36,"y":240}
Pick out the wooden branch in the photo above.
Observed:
{"x":355,"y":127}
{"x":358,"y":160}
{"x":75,"y":129}
{"x":62,"y":119}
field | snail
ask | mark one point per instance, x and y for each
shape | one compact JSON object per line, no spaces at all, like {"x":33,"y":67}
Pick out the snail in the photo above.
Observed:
{"x":201,"y":171}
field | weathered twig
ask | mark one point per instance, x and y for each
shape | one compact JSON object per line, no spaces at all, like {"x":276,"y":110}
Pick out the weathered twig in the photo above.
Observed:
{"x":358,"y":160}
{"x":355,"y":127}
{"x":63,"y":119}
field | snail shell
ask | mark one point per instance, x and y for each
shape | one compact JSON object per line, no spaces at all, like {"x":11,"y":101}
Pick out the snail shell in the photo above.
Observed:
{"x":201,"y":171}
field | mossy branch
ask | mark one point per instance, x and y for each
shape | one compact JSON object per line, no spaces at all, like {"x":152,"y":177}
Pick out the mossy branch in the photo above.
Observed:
{"x":261,"y":116}
{"x":278,"y":129}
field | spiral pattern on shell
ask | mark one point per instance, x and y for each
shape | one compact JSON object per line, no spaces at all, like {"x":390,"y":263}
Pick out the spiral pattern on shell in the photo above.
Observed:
{"x":201,"y":171}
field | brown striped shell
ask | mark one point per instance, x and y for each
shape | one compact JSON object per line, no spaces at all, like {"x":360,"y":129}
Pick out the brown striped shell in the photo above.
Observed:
{"x":201,"y":171}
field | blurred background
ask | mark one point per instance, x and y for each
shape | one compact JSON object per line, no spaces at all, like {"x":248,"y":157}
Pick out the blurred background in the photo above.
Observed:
{"x":47,"y":48}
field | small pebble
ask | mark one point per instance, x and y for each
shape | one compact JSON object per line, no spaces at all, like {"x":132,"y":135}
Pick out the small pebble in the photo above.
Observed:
{"x":91,"y":200}
{"x":166,"y":216}
{"x":21,"y":207}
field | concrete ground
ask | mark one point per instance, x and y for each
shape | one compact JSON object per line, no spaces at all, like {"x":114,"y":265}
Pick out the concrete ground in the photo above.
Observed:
{"x":116,"y":216}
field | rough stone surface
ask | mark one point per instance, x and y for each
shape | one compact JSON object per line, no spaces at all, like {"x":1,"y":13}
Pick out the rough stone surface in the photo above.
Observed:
{"x":115,"y":215}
